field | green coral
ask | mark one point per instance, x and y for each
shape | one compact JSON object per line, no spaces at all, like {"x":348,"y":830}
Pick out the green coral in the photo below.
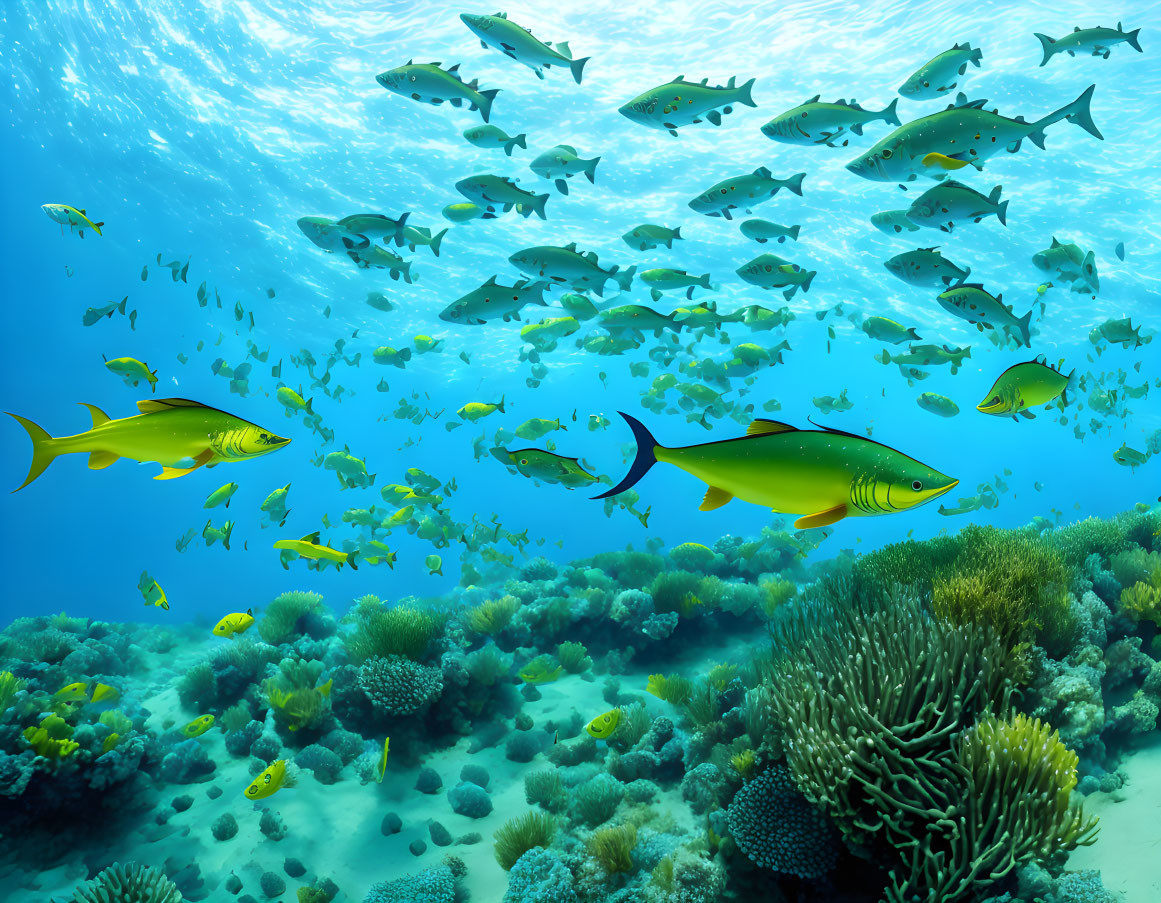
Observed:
{"x":574,"y":657}
{"x":381,"y":631}
{"x":10,"y":685}
{"x":52,"y":738}
{"x":490,"y":617}
{"x":672,"y":688}
{"x":1142,"y":601}
{"x":129,"y":883}
{"x":871,"y":701}
{"x":776,"y":593}
{"x":613,"y":848}
{"x":116,"y":721}
{"x":543,"y":669}
{"x":282,"y":620}
{"x":518,"y":835}
{"x":1016,"y":807}
{"x":545,"y":789}
{"x":293,"y":695}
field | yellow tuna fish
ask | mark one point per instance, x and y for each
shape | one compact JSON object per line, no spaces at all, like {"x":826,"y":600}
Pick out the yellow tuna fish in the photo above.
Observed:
{"x":823,"y":475}
{"x":308,"y":547}
{"x":179,"y":434}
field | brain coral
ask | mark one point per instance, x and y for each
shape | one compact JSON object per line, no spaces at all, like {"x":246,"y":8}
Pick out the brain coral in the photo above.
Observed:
{"x":777,"y":828}
{"x":398,"y":685}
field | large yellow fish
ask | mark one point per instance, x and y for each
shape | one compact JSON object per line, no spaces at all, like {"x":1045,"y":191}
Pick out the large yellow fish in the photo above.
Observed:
{"x":602,"y":726}
{"x":179,"y":434}
{"x":78,"y":692}
{"x":238,"y":622}
{"x":105,"y":693}
{"x":823,"y":475}
{"x":77,"y":220}
{"x":198,"y":726}
{"x":270,"y":781}
{"x":308,"y":547}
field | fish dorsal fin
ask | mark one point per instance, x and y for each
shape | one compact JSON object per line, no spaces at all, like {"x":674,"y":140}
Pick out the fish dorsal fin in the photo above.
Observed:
{"x":153,"y":405}
{"x":1055,"y":242}
{"x":762,"y":171}
{"x":567,"y":148}
{"x":571,"y":246}
{"x":762,"y":427}
{"x":714,"y":498}
{"x":312,"y":538}
{"x":679,"y":78}
{"x":99,"y":416}
{"x":813,"y":99}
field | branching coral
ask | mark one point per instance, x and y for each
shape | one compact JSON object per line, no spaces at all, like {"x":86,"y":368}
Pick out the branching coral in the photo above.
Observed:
{"x":1016,"y":807}
{"x":518,"y":835}
{"x":130,"y":883}
{"x":381,"y":631}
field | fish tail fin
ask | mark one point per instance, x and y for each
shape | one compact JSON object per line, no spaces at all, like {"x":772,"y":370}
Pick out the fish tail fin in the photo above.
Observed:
{"x":976,"y":56}
{"x":625,"y":278}
{"x":486,"y":98}
{"x":538,"y":205}
{"x":591,"y":169}
{"x":400,"y":238}
{"x":577,"y":66}
{"x":744,"y":93}
{"x":645,"y":459}
{"x":794,"y":183}
{"x":1023,"y":324}
{"x":794,"y":230}
{"x":1131,"y":37}
{"x":1002,"y":213}
{"x":500,"y":406}
{"x":435,"y":242}
{"x":520,"y":140}
{"x":889,"y":114}
{"x":1048,"y":45}
{"x":810,"y":274}
{"x":351,"y":560}
{"x":676,"y":234}
{"x":704,"y":282}
{"x":121,"y":306}
{"x":1132,"y":40}
{"x":43,"y":452}
{"x":1077,"y":112}
{"x":883,"y":357}
{"x":911,"y":334}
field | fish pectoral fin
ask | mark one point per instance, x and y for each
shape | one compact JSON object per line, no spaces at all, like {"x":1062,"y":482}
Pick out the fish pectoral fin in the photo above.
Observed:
{"x":944,"y":161}
{"x":172,"y":473}
{"x":99,"y":460}
{"x":822,"y":518}
{"x":714,"y":498}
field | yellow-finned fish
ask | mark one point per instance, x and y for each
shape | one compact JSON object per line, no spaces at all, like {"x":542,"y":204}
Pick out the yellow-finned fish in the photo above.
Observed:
{"x":76,"y":692}
{"x":179,"y":434}
{"x":132,"y":371}
{"x":152,"y":592}
{"x":198,"y":726}
{"x":77,"y":220}
{"x":602,"y":726}
{"x":274,"y":778}
{"x":381,"y":768}
{"x":308,"y":547}
{"x":823,"y":475}
{"x":105,"y":693}
{"x":1026,"y":385}
{"x":238,"y":622}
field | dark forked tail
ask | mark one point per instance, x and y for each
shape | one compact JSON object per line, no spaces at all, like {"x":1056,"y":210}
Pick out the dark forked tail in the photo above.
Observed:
{"x":641,"y":464}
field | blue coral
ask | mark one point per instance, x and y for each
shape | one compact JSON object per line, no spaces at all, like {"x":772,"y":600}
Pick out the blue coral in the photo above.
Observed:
{"x":436,"y":885}
{"x":399,"y":686}
{"x":540,"y":877}
{"x":186,"y":763}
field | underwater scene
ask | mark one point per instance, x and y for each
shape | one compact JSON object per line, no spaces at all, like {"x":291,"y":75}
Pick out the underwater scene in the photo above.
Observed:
{"x":682,"y":453}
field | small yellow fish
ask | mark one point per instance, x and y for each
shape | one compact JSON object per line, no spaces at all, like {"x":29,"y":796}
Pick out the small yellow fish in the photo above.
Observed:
{"x":381,"y":768}
{"x":270,"y":781}
{"x":78,"y":692}
{"x":198,"y":726}
{"x":308,"y":547}
{"x":602,"y":726}
{"x":238,"y":622}
{"x":152,"y":592}
{"x":105,"y":693}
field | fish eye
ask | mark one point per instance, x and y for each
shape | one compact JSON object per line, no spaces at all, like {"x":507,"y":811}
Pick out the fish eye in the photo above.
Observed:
{"x":916,"y":485}
{"x":721,"y":191}
{"x":412,"y":78}
{"x":803,"y":115}
{"x":266,"y":779}
{"x":927,"y":84}
{"x":886,"y":153}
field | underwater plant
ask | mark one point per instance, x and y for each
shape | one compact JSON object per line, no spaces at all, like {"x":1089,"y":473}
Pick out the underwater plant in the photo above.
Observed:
{"x":673,"y":688}
{"x":543,"y":669}
{"x":10,"y":685}
{"x":296,"y":697}
{"x":52,"y":738}
{"x":381,"y":631}
{"x":284,"y":617}
{"x":613,"y":847}
{"x":1142,"y":601}
{"x":490,"y":617}
{"x":595,"y":801}
{"x":518,"y":835}
{"x":545,"y":789}
{"x":573,"y":657}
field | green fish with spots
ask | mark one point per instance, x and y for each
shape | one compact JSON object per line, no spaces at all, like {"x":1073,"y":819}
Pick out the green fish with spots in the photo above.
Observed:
{"x":963,"y":134}
{"x":679,"y":103}
{"x":1094,"y":41}
{"x":516,"y":42}
{"x":429,"y":83}
{"x":179,"y":434}
{"x":818,"y":122}
{"x":823,"y":476}
{"x":972,"y":303}
{"x":942,"y":73}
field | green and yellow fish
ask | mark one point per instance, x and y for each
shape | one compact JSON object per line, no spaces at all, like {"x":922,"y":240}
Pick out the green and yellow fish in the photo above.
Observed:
{"x":179,"y":434}
{"x":198,"y":726}
{"x":308,"y":547}
{"x":77,"y":220}
{"x":238,"y":622}
{"x":1024,"y":386}
{"x":132,"y":371}
{"x":602,"y":726}
{"x":822,"y":475}
{"x":381,"y":768}
{"x":270,"y":781}
{"x":152,"y":592}
{"x":105,"y":693}
{"x":73,"y":693}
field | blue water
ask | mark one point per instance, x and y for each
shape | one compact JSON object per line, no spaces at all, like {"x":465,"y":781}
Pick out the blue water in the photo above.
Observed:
{"x":205,"y":131}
